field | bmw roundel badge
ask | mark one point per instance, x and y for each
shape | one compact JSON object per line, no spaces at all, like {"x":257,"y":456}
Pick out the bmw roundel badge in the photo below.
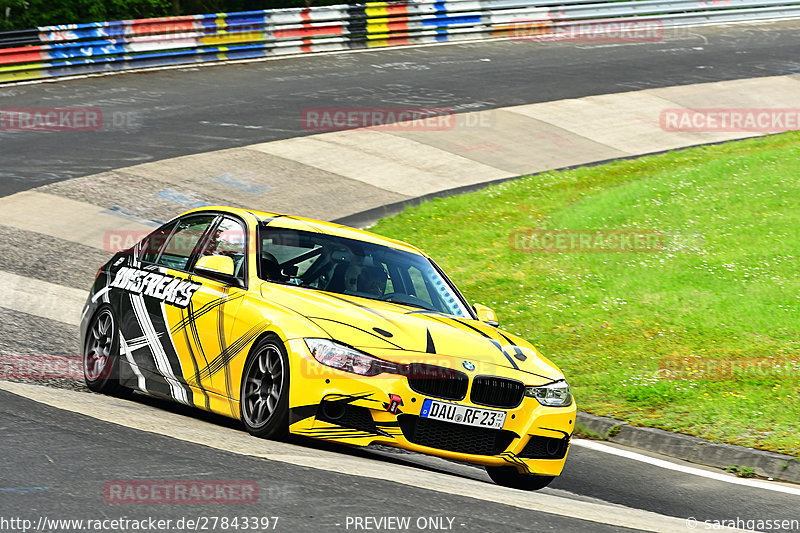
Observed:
{"x":468,"y":366}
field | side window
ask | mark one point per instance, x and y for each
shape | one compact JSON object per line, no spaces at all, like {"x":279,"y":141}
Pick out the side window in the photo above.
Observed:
{"x":229,"y":238}
{"x":152,"y":244}
{"x":390,"y":283}
{"x":180,"y":246}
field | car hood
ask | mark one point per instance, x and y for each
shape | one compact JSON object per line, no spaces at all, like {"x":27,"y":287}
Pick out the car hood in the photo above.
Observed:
{"x":385,"y":326}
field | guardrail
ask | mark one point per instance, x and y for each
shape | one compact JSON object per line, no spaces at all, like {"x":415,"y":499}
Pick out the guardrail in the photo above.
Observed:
{"x":72,"y":49}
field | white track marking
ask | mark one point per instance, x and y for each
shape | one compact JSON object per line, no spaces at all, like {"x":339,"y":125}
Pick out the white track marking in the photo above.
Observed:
{"x":661,"y":463}
{"x":151,"y":419}
{"x":390,"y":162}
{"x":41,"y":298}
{"x":70,"y":220}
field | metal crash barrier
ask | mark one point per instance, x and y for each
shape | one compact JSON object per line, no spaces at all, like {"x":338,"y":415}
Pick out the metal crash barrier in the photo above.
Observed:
{"x":75,"y":49}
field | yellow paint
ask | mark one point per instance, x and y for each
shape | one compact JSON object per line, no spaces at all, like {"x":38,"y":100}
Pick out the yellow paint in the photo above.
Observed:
{"x":377,"y":28}
{"x":232,"y":38}
{"x":213,"y":338}
{"x":377,"y":43}
{"x":378,"y":9}
{"x":221,"y":264}
{"x":31,"y":71}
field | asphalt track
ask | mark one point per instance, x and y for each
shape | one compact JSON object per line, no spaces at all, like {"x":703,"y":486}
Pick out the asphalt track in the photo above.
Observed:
{"x":74,"y":457}
{"x":63,"y":475}
{"x":188,"y":111}
{"x":156,"y":115}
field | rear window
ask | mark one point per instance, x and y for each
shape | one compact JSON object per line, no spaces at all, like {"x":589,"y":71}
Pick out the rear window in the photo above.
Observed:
{"x":183,"y":241}
{"x":153,"y":243}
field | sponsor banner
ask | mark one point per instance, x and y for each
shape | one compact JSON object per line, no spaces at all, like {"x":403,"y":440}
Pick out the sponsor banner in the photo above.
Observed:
{"x":169,"y":289}
{"x":180,"y":492}
{"x":730,"y":120}
{"x":586,"y":241}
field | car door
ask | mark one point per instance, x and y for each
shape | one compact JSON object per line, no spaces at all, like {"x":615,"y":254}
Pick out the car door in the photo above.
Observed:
{"x":157,"y":293}
{"x":203,"y":338}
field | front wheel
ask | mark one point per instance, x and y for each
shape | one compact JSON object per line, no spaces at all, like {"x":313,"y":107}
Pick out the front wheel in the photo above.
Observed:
{"x":101,"y":354}
{"x":264,"y":397}
{"x":508,"y":476}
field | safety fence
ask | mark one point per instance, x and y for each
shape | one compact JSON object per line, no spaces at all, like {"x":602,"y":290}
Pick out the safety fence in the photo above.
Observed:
{"x":72,"y":49}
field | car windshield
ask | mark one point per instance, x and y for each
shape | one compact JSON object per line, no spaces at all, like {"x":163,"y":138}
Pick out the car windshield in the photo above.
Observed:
{"x":356,"y":268}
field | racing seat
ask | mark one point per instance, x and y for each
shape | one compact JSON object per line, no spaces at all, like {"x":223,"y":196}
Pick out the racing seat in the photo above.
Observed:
{"x":338,"y":283}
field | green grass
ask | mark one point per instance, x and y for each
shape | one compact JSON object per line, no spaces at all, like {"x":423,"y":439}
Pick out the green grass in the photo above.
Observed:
{"x":741,"y":471}
{"x":725,"y":288}
{"x":586,"y":433}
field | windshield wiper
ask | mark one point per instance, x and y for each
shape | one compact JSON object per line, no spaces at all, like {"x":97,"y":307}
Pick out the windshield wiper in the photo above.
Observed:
{"x":409,"y":304}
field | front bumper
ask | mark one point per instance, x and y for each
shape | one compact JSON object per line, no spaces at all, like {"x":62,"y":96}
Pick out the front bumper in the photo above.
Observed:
{"x":334,"y":405}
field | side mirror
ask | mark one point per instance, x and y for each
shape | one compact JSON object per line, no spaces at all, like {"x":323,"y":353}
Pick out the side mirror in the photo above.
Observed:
{"x":486,"y":315}
{"x":217,"y":267}
{"x":216,"y":264}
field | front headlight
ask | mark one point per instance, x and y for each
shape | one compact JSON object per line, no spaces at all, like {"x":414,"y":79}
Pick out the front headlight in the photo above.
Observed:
{"x":339,"y":356}
{"x":553,"y":395}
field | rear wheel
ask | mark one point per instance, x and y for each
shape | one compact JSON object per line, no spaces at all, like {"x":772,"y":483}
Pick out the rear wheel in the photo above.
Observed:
{"x":264,"y":399}
{"x":508,"y":476}
{"x":101,"y":354}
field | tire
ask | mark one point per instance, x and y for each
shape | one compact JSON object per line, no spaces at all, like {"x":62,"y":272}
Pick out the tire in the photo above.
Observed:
{"x":508,"y":476}
{"x":100,"y":359}
{"x":264,"y":399}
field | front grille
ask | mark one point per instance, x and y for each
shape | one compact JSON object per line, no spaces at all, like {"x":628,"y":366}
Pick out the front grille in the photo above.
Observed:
{"x":349,"y":416}
{"x":545,"y":448}
{"x":497,"y":392}
{"x":437,"y":381}
{"x":454,"y":437}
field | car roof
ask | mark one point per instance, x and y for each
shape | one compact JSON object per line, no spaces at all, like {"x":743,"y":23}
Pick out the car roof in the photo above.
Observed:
{"x":280,"y":220}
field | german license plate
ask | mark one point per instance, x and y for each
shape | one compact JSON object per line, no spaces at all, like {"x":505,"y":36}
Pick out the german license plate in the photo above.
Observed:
{"x":462,"y":414}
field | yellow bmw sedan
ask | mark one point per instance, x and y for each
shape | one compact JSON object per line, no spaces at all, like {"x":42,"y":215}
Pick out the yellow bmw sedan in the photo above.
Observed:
{"x":298,"y":326}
